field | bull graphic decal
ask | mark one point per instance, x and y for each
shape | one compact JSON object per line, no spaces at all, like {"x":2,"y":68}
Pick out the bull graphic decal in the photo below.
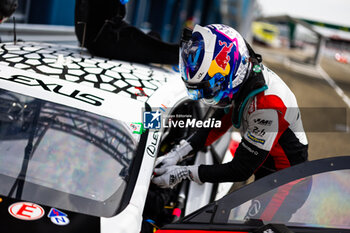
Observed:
{"x":221,"y":62}
{"x":222,"y":59}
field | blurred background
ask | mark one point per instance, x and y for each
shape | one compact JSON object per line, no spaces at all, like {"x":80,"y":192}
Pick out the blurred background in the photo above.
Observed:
{"x":307,"y":43}
{"x":305,"y":26}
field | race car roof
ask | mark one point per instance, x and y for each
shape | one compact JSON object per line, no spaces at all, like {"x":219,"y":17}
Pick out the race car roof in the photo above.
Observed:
{"x":112,"y":88}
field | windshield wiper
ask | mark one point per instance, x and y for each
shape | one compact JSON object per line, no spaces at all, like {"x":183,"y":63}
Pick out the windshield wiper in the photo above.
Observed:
{"x":28,"y":150}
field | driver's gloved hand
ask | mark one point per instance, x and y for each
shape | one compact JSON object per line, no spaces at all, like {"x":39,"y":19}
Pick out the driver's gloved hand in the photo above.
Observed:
{"x":168,"y":177}
{"x":176,"y":155}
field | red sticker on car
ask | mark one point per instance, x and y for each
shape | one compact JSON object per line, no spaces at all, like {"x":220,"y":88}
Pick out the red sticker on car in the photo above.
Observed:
{"x":26,"y":211}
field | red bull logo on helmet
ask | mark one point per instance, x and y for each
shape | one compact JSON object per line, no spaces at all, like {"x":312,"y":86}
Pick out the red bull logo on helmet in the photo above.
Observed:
{"x":222,"y":58}
{"x":221,"y":62}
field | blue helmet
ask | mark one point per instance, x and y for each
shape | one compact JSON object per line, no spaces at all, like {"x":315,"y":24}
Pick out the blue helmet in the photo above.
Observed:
{"x":213,"y":64}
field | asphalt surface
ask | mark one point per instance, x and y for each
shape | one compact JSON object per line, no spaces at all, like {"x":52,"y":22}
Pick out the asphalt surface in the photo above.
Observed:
{"x":322,"y":93}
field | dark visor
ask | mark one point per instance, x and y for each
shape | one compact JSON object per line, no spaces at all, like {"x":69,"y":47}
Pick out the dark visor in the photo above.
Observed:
{"x":205,"y":89}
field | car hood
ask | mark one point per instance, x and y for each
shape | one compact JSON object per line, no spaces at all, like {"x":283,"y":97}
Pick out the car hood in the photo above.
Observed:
{"x":69,"y":75}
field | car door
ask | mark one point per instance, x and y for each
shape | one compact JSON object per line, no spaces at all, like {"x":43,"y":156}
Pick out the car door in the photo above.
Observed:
{"x":309,"y":197}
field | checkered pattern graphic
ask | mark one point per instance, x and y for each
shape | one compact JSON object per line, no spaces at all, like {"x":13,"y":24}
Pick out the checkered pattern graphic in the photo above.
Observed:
{"x":74,"y":64}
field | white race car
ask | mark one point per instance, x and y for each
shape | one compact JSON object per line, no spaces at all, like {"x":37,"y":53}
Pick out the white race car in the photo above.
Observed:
{"x":74,"y":156}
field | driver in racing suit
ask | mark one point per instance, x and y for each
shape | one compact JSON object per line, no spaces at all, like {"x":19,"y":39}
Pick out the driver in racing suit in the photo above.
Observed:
{"x":219,"y":67}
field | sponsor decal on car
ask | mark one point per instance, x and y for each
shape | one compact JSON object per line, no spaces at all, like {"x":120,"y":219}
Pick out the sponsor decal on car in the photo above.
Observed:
{"x":54,"y":87}
{"x":254,"y":209}
{"x":26,"y":211}
{"x":163,"y":108}
{"x":137,"y":128}
{"x":58,"y":217}
{"x":152,"y":147}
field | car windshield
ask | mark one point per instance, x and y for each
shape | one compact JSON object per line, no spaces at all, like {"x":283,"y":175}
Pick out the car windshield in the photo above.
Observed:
{"x":321,"y":200}
{"x":63,"y":157}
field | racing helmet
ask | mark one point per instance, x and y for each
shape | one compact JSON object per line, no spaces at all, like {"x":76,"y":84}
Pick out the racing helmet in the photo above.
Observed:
{"x":214,"y":63}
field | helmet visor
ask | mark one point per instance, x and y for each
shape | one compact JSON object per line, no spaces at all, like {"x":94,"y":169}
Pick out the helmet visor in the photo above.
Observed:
{"x":206,"y":89}
{"x":196,"y":54}
{"x":191,"y":53}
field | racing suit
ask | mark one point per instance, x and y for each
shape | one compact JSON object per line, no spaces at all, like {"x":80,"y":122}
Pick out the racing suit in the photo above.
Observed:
{"x":266,"y":112}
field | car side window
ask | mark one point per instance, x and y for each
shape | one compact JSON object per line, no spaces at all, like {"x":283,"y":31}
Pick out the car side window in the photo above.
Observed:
{"x":320,"y":200}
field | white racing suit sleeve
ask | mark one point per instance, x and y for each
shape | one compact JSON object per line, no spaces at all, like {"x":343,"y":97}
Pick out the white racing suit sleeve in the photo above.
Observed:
{"x":175,"y":155}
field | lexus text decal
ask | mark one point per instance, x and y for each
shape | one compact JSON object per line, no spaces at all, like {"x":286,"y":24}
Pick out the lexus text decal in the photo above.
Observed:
{"x":50,"y":86}
{"x":151,"y":148}
{"x":156,"y":120}
{"x":26,"y":211}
